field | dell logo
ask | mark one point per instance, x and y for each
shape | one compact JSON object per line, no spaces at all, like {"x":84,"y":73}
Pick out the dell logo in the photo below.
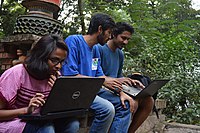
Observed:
{"x":76,"y":95}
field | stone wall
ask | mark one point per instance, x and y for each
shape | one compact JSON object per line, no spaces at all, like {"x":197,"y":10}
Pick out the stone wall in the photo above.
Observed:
{"x":9,"y":46}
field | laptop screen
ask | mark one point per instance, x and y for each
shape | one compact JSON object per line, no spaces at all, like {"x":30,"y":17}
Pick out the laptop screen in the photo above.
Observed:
{"x":72,"y":93}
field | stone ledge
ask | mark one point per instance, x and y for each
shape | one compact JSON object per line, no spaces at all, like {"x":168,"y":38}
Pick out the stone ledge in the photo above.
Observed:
{"x":181,"y":128}
{"x":20,"y":38}
{"x":152,"y":124}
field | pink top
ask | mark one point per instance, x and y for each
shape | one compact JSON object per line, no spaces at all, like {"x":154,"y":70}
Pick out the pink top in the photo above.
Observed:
{"x":17,"y":87}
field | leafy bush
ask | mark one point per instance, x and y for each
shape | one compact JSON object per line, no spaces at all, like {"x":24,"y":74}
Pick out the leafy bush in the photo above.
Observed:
{"x":174,"y":57}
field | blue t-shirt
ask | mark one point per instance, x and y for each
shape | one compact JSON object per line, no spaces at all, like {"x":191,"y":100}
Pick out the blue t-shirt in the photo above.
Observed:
{"x":111,"y":62}
{"x":82,"y":59}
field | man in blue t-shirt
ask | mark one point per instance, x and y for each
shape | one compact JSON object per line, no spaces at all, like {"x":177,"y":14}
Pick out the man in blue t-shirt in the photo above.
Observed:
{"x":112,"y":59}
{"x":84,"y":60}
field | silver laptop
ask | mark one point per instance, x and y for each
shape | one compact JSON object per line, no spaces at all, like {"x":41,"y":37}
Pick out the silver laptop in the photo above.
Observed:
{"x":70,"y":96}
{"x":149,"y":90}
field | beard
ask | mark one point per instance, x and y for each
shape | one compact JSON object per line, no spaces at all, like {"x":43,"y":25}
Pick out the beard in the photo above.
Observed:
{"x":121,"y":46}
{"x":118,"y":44}
{"x":100,"y":39}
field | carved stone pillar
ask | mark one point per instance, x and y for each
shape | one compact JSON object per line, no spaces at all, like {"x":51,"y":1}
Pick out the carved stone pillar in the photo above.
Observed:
{"x":39,"y":21}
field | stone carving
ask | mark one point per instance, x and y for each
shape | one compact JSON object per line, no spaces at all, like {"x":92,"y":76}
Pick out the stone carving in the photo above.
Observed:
{"x":29,"y":24}
{"x":40,"y":20}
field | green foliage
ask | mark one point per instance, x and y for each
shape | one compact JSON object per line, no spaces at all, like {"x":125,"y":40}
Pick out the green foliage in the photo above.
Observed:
{"x":177,"y":59}
{"x":70,"y":9}
{"x":9,"y":12}
{"x":169,"y":48}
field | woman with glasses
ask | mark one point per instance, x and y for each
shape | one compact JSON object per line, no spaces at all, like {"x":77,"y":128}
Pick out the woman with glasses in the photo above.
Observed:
{"x":25,"y":87}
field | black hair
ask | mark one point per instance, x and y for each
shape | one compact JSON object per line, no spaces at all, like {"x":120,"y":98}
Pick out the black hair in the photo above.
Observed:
{"x":36,"y":62}
{"x":100,"y":19}
{"x":121,"y":27}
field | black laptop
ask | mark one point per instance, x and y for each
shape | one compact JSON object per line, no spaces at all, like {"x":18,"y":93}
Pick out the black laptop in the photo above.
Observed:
{"x":70,"y":96}
{"x":149,"y":90}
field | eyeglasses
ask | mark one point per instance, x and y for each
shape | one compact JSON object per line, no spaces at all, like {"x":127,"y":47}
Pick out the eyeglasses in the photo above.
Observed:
{"x":56,"y":61}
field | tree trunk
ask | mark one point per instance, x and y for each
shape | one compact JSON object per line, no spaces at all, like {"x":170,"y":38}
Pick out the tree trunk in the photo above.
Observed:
{"x":1,"y":5}
{"x":80,"y":7}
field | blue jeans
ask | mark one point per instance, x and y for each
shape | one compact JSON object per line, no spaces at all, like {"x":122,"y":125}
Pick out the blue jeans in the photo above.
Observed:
{"x":122,"y":117}
{"x":104,"y":114}
{"x":56,"y":126}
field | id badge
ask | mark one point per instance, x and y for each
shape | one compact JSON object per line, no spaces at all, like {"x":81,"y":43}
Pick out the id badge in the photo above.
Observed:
{"x":94,"y":63}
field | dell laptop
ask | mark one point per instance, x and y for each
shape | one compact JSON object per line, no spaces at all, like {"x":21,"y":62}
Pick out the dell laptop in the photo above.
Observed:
{"x":149,"y":90}
{"x":70,"y":96}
